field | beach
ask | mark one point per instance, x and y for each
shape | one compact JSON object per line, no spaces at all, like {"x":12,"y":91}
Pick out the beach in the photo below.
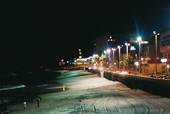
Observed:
{"x":83,"y":93}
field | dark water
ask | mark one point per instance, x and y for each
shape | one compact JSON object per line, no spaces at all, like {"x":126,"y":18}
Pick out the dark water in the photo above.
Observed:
{"x":28,"y":78}
{"x":35,"y":84}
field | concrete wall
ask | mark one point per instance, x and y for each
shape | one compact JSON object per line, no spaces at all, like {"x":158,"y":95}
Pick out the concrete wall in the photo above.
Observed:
{"x":155,"y":86}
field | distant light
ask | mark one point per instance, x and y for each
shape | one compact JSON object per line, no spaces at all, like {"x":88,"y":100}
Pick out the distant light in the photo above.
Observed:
{"x":113,"y":49}
{"x":90,"y":57}
{"x":156,"y":33}
{"x":132,"y":48}
{"x":144,"y":42}
{"x":67,"y":61}
{"x":163,"y":60}
{"x":89,"y":67}
{"x":139,"y":39}
{"x":82,"y":59}
{"x":108,"y":50}
{"x":94,"y":67}
{"x":100,"y":68}
{"x":136,"y":63}
{"x":95,"y":55}
{"x":127,"y":44}
{"x":123,"y":72}
{"x":118,"y":46}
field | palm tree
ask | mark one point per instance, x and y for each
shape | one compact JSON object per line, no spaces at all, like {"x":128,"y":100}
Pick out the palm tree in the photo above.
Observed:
{"x":123,"y":61}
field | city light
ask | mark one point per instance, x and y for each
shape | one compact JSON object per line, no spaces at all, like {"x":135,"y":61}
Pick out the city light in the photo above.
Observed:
{"x":156,"y":49}
{"x":139,"y":39}
{"x":119,"y":56}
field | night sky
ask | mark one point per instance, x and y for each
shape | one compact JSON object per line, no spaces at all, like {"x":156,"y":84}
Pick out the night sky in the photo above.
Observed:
{"x":39,"y":32}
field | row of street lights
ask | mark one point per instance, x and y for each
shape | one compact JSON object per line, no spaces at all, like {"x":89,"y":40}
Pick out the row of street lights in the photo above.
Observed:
{"x":113,"y":49}
{"x":139,"y":39}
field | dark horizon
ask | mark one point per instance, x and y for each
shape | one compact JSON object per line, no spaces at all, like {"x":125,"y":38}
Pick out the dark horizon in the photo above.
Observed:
{"x":35,"y":33}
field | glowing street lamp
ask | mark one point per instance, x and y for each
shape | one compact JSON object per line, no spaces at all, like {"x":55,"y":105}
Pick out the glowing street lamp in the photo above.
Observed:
{"x":139,"y":39}
{"x":127,"y":57}
{"x":119,"y":56}
{"x":113,"y":49}
{"x":108,"y":51}
{"x":127,"y":44}
{"x":156,"y":34}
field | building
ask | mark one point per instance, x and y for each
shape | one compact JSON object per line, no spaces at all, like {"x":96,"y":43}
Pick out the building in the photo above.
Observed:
{"x":109,"y":41}
{"x":165,"y":49}
{"x":81,"y":61}
{"x":165,"y":44}
{"x":152,"y":56}
{"x":80,"y":53}
{"x":149,"y":62}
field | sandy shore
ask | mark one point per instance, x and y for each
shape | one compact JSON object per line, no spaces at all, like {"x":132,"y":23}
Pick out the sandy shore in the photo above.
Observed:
{"x":85,"y":93}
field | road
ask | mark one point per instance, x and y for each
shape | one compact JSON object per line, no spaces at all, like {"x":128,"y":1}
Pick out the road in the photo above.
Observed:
{"x":87,"y":93}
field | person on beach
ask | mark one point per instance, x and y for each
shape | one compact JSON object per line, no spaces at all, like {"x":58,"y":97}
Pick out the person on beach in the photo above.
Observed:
{"x":38,"y":100}
{"x":64,"y":87}
{"x":24,"y":104}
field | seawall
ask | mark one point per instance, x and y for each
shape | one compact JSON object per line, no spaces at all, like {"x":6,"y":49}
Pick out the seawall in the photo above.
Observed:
{"x":151,"y":85}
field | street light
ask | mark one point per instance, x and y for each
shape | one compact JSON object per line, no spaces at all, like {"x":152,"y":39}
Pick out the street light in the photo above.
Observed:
{"x":139,"y":39}
{"x":127,"y":44}
{"x":119,"y":56}
{"x":156,"y":49}
{"x":108,"y":51}
{"x":113,"y":49}
{"x":127,"y":56}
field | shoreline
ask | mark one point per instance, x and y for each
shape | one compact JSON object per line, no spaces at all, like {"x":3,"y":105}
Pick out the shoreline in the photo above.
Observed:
{"x":29,"y":89}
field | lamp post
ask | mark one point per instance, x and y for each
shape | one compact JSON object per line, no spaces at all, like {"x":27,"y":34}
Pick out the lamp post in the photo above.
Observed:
{"x":127,"y":44}
{"x":127,"y":55}
{"x":139,"y":39}
{"x":119,"y":56}
{"x":156,"y":49}
{"x":108,"y":51}
{"x":113,"y":55}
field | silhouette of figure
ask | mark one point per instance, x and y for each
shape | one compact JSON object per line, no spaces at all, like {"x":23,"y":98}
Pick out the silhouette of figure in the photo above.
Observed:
{"x":38,"y":100}
{"x":24,"y":104}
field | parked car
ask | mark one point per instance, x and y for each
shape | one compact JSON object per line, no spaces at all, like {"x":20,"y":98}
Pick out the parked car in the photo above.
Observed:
{"x":152,"y":75}
{"x":166,"y":76}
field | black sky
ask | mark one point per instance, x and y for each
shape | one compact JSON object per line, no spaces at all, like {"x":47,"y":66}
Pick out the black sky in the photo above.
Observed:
{"x":42,"y":32}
